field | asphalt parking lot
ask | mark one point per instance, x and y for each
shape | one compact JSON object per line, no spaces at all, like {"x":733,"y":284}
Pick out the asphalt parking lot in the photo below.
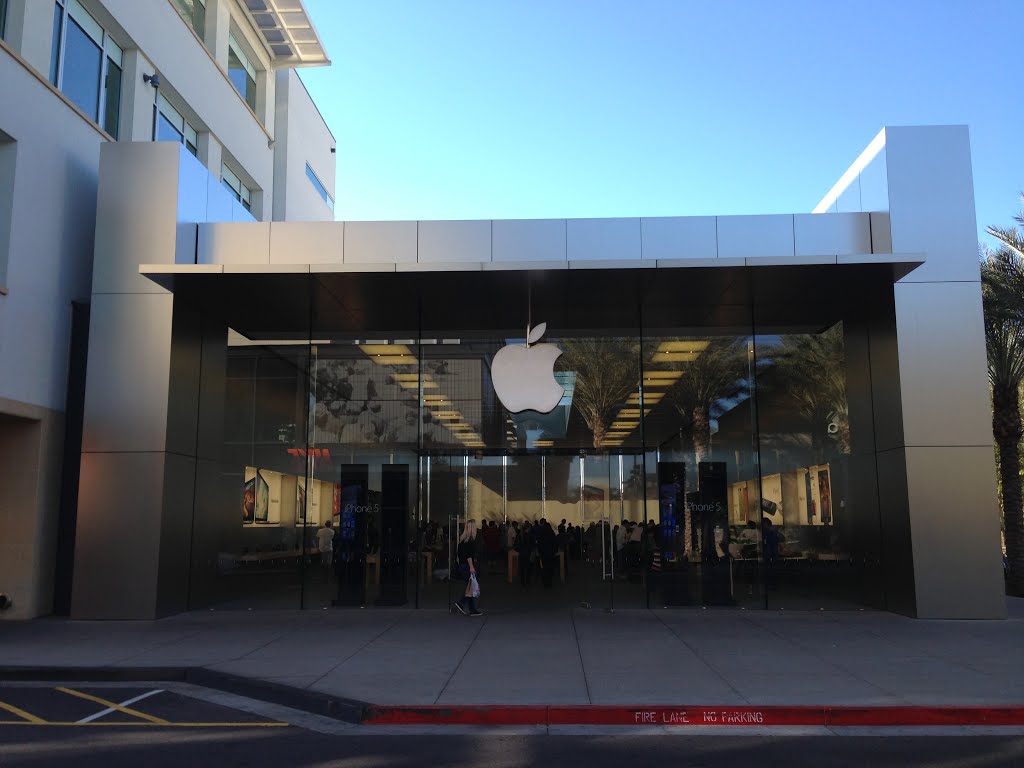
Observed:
{"x":93,"y":706}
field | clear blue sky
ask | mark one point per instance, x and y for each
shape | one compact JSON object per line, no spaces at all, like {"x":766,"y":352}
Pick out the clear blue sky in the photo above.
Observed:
{"x":552,"y":108}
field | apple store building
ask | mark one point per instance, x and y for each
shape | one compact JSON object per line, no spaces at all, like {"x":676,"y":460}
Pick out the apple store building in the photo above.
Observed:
{"x":761,"y":412}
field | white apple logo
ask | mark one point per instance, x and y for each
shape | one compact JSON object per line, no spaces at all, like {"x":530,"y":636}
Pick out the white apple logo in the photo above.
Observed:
{"x":523,"y":375}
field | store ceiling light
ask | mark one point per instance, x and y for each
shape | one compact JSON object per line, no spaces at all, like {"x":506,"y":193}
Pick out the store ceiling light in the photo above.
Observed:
{"x":681,"y":346}
{"x":447,"y":415}
{"x":374,"y":350}
{"x":650,"y":398}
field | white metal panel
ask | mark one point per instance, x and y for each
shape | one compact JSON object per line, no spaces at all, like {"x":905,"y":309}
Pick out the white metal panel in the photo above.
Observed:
{"x":943,"y":366}
{"x":454,"y":241}
{"x":881,"y":233}
{"x":679,"y":237}
{"x":746,"y":237}
{"x":129,"y":366}
{"x":954,"y":511}
{"x":823,"y":234}
{"x":380,"y":241}
{"x":931,"y":200}
{"x":593,"y":239}
{"x":525,"y":240}
{"x":308,"y":242}
{"x":234,"y":243}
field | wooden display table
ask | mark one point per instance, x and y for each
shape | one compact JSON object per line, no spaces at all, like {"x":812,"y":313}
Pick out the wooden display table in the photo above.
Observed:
{"x":513,"y":565}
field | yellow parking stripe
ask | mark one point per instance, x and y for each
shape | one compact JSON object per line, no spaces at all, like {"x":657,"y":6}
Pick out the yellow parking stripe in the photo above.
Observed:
{"x":22,"y":713}
{"x":114,"y":705}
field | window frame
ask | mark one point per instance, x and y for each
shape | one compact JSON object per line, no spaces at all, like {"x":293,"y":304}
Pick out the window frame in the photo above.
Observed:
{"x":189,"y":135}
{"x":241,"y":193}
{"x":110,"y":53}
{"x":200,"y":33}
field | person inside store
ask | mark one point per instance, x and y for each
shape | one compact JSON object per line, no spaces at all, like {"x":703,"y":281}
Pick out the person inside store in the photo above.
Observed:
{"x":547,"y":549}
{"x":526,"y":547}
{"x":325,"y":544}
{"x":492,"y":544}
{"x":467,"y":560}
{"x":770,"y":550}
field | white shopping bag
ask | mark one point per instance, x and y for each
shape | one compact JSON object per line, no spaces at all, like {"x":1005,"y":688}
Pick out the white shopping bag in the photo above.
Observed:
{"x":474,"y":586}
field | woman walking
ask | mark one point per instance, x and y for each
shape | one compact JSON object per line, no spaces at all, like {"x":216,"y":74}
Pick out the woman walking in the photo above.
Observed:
{"x":467,"y":559}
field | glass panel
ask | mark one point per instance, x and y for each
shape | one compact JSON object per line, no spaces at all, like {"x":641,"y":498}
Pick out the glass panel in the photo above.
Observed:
{"x":242,"y":75}
{"x":170,"y":113}
{"x":165,"y":131}
{"x":112,"y":98}
{"x":85,"y":20}
{"x":195,"y":13}
{"x":81,"y":70}
{"x":3,"y":18}
{"x":817,"y":543}
{"x":58,"y":20}
{"x":114,"y":52}
{"x":319,"y":187}
{"x":256,"y":561}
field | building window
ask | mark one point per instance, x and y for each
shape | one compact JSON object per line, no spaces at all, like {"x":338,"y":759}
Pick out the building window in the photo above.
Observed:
{"x":194,"y":12}
{"x":3,"y":19}
{"x":171,"y":126}
{"x":242,"y":72}
{"x":319,"y":187}
{"x":241,"y":192}
{"x":85,"y":64}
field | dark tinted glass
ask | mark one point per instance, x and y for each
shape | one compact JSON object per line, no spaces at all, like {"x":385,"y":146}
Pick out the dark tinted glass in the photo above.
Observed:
{"x":112,"y":104}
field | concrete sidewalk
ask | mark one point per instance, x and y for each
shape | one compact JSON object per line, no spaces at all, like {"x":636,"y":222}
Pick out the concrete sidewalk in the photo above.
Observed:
{"x":666,"y":657}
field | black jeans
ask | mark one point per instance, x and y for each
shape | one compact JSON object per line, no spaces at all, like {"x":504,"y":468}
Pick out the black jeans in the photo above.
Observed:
{"x":525,"y":567}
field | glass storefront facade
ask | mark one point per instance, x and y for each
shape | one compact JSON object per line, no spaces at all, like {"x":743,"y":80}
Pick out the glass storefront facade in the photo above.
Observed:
{"x":702,"y":453}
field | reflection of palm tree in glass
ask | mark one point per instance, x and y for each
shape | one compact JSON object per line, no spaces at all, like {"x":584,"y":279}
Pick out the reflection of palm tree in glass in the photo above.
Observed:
{"x":717,"y":373}
{"x":607,"y":372}
{"x":811,"y":369}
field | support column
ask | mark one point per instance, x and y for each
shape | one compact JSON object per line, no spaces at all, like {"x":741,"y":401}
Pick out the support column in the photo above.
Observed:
{"x":946,"y":460}
{"x":139,"y":432}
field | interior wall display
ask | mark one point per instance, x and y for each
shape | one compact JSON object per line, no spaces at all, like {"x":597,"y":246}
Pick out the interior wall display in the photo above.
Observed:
{"x":249,"y":500}
{"x":300,"y":501}
{"x":262,"y":498}
{"x":825,"y":494}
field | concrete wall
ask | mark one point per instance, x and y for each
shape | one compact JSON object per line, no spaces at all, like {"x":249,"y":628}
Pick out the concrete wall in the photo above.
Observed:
{"x":302,"y":137}
{"x":936,"y":467}
{"x":56,"y":153}
{"x":48,"y":188}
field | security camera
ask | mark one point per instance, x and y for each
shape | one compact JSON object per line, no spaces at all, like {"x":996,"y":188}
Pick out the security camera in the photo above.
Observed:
{"x":153,"y":80}
{"x":5,"y":601}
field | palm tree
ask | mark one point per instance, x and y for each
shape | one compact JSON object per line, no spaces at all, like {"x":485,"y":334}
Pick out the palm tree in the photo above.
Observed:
{"x":1002,"y":275}
{"x":607,"y":372}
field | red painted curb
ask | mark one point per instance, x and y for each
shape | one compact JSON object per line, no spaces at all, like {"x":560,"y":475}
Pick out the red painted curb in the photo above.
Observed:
{"x":689,"y":716}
